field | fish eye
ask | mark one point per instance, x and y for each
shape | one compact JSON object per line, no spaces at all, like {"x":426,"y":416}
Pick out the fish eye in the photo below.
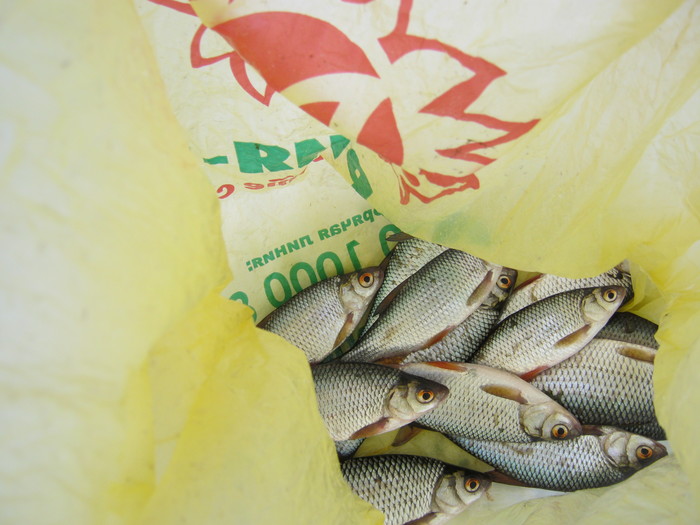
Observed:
{"x":425,"y":396}
{"x":472,"y":485}
{"x":366,"y":279}
{"x":504,"y":282}
{"x":610,"y":295}
{"x":559,"y":431}
{"x":644,"y":452}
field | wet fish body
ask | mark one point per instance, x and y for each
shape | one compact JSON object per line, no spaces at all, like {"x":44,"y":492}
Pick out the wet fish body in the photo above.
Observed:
{"x":358,"y":400}
{"x":587,"y":461}
{"x":549,"y":331}
{"x":408,"y":488}
{"x":606,"y":383}
{"x":347,"y":448}
{"x":462,"y":343}
{"x":546,"y":285}
{"x":630,"y":328}
{"x":407,"y":257}
{"x":319,"y":318}
{"x":489,"y":404}
{"x":430,"y":304}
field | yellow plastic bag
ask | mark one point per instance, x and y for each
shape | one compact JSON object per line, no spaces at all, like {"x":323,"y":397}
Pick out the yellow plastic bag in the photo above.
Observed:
{"x":134,"y":393}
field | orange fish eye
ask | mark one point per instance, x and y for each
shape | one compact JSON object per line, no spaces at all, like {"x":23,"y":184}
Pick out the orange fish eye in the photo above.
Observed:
{"x":425,"y":396}
{"x":559,"y":431}
{"x":504,"y":282}
{"x":366,"y":279}
{"x":644,"y":452}
{"x":610,"y":295}
{"x":472,"y":485}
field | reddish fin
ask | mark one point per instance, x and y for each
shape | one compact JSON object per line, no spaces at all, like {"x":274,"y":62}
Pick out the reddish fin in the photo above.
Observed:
{"x":575,"y":337}
{"x":447,"y":365}
{"x":528,"y":281}
{"x":437,"y":337}
{"x":425,"y":520}
{"x":591,"y":430}
{"x":506,"y":392}
{"x":500,"y":477}
{"x":346,"y":330}
{"x":481,"y":292}
{"x":399,"y":236}
{"x":393,"y":360}
{"x":529,"y":376}
{"x":378,"y":427}
{"x":405,"y":434}
{"x":388,"y":299}
{"x":640,"y":354}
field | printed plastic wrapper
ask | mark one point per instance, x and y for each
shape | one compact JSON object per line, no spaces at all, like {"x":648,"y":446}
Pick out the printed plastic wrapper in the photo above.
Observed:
{"x":166,"y":164}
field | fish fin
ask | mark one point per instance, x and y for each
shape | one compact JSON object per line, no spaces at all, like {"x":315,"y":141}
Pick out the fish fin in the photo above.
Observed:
{"x":574,"y":337}
{"x":481,"y":291}
{"x":399,"y":236}
{"x":424,"y":520}
{"x":459,"y":367}
{"x":506,"y":392}
{"x":529,"y":376}
{"x":500,"y":477}
{"x":405,"y":434}
{"x":347,"y":329}
{"x":393,"y":360}
{"x":640,"y":354}
{"x":388,"y":299}
{"x":437,"y":337}
{"x":591,"y":430}
{"x":528,"y":281}
{"x":378,"y":427}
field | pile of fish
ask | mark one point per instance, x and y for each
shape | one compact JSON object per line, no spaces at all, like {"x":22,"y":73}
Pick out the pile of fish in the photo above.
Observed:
{"x":546,"y":383}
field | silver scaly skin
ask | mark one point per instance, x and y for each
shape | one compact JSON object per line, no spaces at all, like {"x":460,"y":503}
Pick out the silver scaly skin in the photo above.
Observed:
{"x":361,"y":399}
{"x":630,"y":328}
{"x":315,"y":318}
{"x":430,"y":303}
{"x":407,"y":257}
{"x":407,"y":488}
{"x":347,"y":447}
{"x":587,"y":461}
{"x":489,"y":404}
{"x":461,"y":344}
{"x":549,"y":331}
{"x":547,"y":285}
{"x":604,"y":384}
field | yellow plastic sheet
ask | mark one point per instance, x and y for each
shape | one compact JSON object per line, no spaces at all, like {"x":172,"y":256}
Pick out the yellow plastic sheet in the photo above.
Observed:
{"x":132,"y":393}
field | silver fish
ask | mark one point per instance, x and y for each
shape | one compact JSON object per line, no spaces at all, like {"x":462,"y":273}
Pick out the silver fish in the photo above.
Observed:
{"x":319,"y":318}
{"x":605,"y":383}
{"x":347,"y":447}
{"x":406,"y":258}
{"x":546,"y":285}
{"x":490,"y":404}
{"x":413,"y":489}
{"x":630,"y":328}
{"x":651,"y":430}
{"x":549,"y":331}
{"x":430,"y":304}
{"x":358,"y":400}
{"x":462,"y":343}
{"x":606,"y":456}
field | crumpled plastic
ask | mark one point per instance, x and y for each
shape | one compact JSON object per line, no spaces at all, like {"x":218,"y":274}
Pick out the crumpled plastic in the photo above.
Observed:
{"x":132,"y":392}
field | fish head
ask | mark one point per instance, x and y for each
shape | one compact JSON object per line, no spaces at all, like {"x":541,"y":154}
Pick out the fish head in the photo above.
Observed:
{"x":504,"y":285}
{"x":414,"y":396}
{"x":549,"y":420}
{"x":359,"y":288}
{"x":456,"y":490}
{"x":601,"y":303}
{"x":627,"y":450}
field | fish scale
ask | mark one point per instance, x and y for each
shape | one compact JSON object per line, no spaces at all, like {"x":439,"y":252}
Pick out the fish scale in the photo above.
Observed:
{"x":628,"y":327}
{"x":569,"y":465}
{"x":602,"y":387}
{"x":436,"y":298}
{"x":540,"y":335}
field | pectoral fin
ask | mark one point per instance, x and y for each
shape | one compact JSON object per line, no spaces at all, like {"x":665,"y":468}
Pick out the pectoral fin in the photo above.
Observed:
{"x":529,"y":376}
{"x":347,"y":329}
{"x":499,"y":477}
{"x":506,"y":392}
{"x":481,"y":292}
{"x":381,"y":308}
{"x":405,"y":434}
{"x":378,"y":427}
{"x":577,"y":337}
{"x":425,"y":520}
{"x":639,"y":353}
